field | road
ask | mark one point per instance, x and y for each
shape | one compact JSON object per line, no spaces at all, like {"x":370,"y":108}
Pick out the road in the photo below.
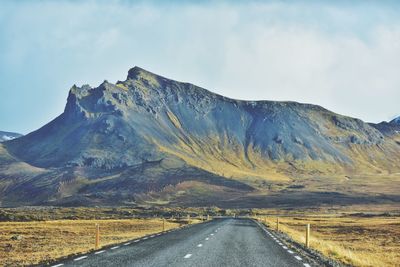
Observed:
{"x":220,"y":242}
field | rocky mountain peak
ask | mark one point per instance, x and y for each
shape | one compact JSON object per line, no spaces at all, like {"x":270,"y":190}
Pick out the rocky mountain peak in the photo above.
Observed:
{"x":149,"y":130}
{"x":137,"y":73}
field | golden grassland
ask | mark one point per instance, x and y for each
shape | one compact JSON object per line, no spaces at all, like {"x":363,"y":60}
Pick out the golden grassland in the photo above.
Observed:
{"x":48,"y":240}
{"x":356,"y":240}
{"x":370,"y":237}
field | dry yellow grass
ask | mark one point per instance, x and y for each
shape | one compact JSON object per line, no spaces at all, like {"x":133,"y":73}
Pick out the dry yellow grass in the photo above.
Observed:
{"x":48,"y":240}
{"x":358,"y":241}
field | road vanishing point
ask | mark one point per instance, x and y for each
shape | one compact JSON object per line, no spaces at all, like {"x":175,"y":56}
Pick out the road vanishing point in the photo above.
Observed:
{"x":220,"y":242}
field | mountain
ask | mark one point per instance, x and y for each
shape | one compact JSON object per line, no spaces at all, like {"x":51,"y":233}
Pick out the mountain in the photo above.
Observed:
{"x":390,"y":129}
{"x":395,"y":120}
{"x":153,"y":140}
{"x":6,"y":136}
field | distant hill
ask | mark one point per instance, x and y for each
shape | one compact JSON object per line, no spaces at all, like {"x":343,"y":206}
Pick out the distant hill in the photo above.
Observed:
{"x":391,"y":129}
{"x":6,"y":136}
{"x":395,"y":120}
{"x":153,"y":140}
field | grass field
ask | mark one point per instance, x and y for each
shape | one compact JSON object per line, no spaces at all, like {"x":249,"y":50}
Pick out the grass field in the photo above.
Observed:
{"x":357,"y":240}
{"x":47,"y":240}
{"x":370,"y":237}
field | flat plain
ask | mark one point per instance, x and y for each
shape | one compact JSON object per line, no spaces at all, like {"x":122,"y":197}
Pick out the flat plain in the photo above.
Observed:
{"x":27,"y":243}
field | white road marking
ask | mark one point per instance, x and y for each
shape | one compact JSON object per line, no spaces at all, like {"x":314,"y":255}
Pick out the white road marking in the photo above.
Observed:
{"x":187,"y":256}
{"x":307,"y":265}
{"x":297,"y":257}
{"x":80,"y":258}
{"x":115,"y":247}
{"x":212,"y":234}
{"x":152,"y":236}
{"x":57,"y":265}
{"x":207,"y":238}
{"x":99,"y":252}
{"x":285,"y":247}
{"x":126,"y":244}
{"x":291,"y":252}
{"x":144,"y":238}
{"x":199,"y":245}
{"x":136,"y":241}
{"x":216,"y":230}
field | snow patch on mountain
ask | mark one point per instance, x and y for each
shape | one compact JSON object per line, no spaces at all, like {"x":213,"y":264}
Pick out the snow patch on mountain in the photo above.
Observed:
{"x":7,"y":136}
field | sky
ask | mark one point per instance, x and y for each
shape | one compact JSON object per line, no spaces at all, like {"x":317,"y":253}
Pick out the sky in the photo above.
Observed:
{"x":342,"y":55}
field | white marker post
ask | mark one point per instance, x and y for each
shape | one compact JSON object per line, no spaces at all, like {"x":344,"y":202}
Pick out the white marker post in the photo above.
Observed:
{"x":97,"y":244}
{"x":277,"y":224}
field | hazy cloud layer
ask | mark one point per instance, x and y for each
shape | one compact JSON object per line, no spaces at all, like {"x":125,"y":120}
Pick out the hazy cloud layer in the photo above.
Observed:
{"x":343,"y":56}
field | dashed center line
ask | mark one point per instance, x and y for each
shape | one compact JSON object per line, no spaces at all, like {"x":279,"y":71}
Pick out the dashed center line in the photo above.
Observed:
{"x":212,"y":234}
{"x":99,"y":252}
{"x":144,"y":238}
{"x":307,"y":265}
{"x":187,"y":256}
{"x":152,"y":235}
{"x":57,"y":265}
{"x":80,"y":258}
{"x":298,"y":258}
{"x":291,"y":252}
{"x":136,"y":241}
{"x":127,"y":244}
{"x":207,"y":238}
{"x":199,"y":245}
{"x":115,"y":247}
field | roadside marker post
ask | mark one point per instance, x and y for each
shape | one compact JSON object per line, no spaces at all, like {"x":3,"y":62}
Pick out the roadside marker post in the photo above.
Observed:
{"x":188,"y":218}
{"x":163,"y":224}
{"x":208,"y":217}
{"x":97,"y":244}
{"x":277,"y":224}
{"x":308,"y":235}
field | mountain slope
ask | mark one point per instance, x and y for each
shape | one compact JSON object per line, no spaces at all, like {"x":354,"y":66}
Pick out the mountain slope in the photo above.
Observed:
{"x":107,"y":134}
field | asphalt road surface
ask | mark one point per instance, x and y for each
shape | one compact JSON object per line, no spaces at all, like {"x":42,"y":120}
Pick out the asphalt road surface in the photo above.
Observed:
{"x":220,"y":242}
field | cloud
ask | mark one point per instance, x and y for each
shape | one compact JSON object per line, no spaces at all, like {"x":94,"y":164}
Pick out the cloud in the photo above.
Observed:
{"x":341,"y":55}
